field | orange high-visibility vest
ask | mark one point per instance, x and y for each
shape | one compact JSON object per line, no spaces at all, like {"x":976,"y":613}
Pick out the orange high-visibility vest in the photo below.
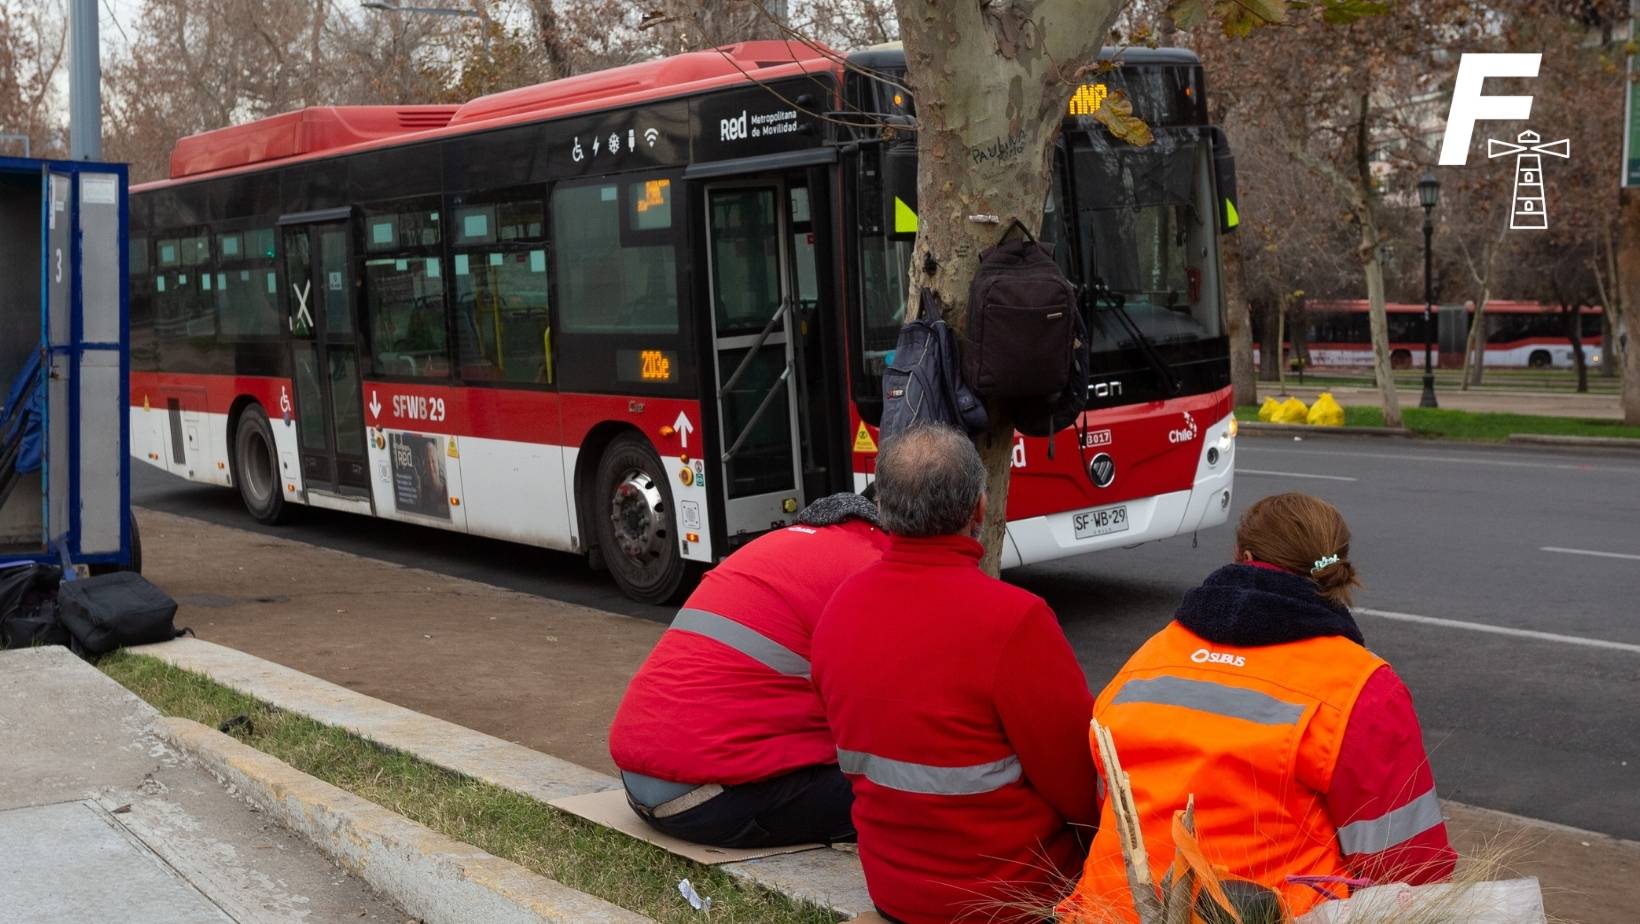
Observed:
{"x":1254,"y":734}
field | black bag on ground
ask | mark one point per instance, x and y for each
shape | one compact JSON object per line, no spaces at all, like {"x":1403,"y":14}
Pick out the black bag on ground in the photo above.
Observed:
{"x":116,"y":610}
{"x":28,"y":606}
{"x":922,"y":384}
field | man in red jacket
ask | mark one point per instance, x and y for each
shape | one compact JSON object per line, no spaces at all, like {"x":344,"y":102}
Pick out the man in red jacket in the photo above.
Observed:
{"x":959,"y":710}
{"x":721,"y":738}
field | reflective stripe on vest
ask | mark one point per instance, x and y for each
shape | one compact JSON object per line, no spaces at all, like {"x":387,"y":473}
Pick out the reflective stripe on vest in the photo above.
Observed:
{"x":930,"y":780}
{"x":1396,"y":826}
{"x":1207,"y":696}
{"x":747,"y":641}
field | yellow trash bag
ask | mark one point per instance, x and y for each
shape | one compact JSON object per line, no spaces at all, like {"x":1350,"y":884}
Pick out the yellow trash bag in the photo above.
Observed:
{"x":1267,"y":410}
{"x":1326,"y":412}
{"x":1292,"y":411}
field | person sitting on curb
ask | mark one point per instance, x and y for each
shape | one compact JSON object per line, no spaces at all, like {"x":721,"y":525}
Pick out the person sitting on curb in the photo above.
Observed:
{"x":1300,"y":746}
{"x":720,"y":737}
{"x":959,"y":709}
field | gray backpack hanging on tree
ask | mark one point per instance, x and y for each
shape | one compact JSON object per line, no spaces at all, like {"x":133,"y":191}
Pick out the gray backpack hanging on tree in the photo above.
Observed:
{"x":922,"y":384}
{"x":1026,"y":342}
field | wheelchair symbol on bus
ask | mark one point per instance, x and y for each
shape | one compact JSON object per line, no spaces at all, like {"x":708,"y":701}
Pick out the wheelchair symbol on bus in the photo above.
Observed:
{"x":577,"y":155}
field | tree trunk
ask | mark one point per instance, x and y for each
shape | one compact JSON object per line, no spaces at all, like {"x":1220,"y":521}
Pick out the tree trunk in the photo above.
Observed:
{"x":991,"y":82}
{"x":1299,"y":331}
{"x":1280,"y":357}
{"x":1239,"y":325}
{"x":1269,"y":351}
{"x":1608,"y":343}
{"x":1574,"y":334}
{"x":1628,"y":276}
{"x":1609,"y":359}
{"x":1380,"y":324}
{"x":1474,"y":350}
{"x":550,"y":39}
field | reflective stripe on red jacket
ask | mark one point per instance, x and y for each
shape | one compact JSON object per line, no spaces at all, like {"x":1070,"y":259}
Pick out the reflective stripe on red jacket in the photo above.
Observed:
{"x":961,"y":717}
{"x":725,"y":696}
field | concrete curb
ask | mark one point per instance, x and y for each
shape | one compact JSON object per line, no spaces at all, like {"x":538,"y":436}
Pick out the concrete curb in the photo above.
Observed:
{"x":1261,"y":428}
{"x":829,"y":878}
{"x":444,"y":744}
{"x":1624,"y":444}
{"x":440,"y":880}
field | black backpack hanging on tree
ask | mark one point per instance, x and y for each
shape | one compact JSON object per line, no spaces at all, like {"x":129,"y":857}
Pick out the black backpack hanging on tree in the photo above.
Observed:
{"x":1026,"y":341}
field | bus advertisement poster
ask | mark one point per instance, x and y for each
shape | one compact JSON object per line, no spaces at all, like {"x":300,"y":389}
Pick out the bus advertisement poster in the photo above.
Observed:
{"x":419,"y":484}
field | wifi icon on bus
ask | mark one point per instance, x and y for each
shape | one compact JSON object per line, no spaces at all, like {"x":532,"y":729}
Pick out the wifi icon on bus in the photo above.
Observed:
{"x":649,"y":135}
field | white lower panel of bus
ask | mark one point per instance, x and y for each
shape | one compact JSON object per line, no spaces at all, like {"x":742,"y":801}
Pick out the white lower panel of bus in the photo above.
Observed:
{"x":1205,"y":504}
{"x":520,"y":492}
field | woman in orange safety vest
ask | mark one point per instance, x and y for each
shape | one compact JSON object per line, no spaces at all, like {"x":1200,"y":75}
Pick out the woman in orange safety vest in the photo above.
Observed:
{"x":1260,"y":699}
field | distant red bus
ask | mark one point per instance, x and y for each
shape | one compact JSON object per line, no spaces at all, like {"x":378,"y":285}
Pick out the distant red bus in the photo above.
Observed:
{"x":1518,"y":334}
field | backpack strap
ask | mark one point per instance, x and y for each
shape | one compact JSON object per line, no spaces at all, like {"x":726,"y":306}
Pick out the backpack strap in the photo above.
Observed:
{"x":1016,"y":224}
{"x":930,"y":308}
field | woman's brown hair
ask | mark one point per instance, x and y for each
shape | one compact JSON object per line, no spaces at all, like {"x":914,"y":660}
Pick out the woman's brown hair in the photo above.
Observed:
{"x":1302,"y":534}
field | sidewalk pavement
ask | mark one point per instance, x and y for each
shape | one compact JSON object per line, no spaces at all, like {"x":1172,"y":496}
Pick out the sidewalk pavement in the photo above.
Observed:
{"x":1559,"y":404}
{"x":549,"y":675}
{"x":103,"y":821}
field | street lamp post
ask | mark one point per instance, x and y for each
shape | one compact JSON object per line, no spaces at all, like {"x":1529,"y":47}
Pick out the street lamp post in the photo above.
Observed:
{"x":1429,"y":193}
{"x":385,"y":6}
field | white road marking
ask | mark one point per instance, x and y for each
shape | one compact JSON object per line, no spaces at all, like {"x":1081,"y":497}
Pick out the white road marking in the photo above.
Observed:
{"x":1625,"y":555}
{"x":1245,"y":446}
{"x":1254,"y":471}
{"x":1501,"y":630}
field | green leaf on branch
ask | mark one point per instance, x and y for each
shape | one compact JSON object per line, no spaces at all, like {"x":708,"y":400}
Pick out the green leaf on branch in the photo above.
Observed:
{"x":1187,"y":14}
{"x":1344,"y":12}
{"x":1240,"y":17}
{"x":1116,"y":114}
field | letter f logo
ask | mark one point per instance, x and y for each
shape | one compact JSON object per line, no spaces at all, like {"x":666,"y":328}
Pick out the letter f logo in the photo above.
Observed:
{"x":1469,"y":106}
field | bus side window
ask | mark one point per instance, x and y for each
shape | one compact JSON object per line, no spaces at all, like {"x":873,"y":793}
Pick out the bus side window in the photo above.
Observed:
{"x":246,"y":295}
{"x":404,"y":291}
{"x":499,"y":272}
{"x":617,"y":274}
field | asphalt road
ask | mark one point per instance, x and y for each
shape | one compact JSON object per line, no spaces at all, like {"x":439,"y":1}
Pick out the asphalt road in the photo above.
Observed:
{"x":1526,"y":560}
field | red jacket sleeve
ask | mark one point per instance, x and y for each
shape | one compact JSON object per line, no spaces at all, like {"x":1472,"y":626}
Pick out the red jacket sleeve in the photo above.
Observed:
{"x":1382,"y":796}
{"x":1043,"y":700}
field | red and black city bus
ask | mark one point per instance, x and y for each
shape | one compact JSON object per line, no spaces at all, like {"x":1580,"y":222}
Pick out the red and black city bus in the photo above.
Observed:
{"x":642,"y":313}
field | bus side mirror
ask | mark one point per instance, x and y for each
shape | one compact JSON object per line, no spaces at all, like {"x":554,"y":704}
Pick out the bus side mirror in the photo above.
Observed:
{"x":1224,"y":180}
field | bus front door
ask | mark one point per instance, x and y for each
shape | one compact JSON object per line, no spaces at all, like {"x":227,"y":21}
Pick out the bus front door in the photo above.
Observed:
{"x":325,"y":360}
{"x":753,"y":302}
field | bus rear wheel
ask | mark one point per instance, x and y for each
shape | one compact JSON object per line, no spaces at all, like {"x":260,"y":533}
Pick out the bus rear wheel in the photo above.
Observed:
{"x":635,"y":523}
{"x":1400,"y":359}
{"x":256,"y":467}
{"x":1540,"y":359}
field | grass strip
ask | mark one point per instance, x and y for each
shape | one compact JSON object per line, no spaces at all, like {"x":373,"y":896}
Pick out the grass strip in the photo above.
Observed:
{"x":602,"y":862}
{"x":1474,"y":426}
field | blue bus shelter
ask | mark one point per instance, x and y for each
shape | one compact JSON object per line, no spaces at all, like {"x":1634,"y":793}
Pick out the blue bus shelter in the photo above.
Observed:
{"x":64,"y":365}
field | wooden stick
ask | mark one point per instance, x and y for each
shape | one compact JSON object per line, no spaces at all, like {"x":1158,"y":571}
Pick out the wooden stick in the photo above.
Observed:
{"x":1145,"y":900}
{"x":1181,"y":899}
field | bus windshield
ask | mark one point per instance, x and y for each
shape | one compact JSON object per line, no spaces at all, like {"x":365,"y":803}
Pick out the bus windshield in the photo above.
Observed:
{"x":1148,"y":233}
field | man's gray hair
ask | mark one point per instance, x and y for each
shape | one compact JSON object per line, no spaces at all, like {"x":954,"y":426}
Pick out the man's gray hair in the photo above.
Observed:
{"x":929,"y":480}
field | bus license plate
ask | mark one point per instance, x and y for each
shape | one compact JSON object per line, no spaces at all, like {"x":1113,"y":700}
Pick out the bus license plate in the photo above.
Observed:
{"x":1102,"y":522}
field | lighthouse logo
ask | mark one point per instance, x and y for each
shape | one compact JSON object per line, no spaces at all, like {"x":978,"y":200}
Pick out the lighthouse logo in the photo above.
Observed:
{"x":1528,"y":210}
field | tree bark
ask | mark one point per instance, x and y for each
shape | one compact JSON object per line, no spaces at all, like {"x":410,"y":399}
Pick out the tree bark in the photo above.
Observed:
{"x":1367,"y":216}
{"x":991,"y":82}
{"x":1280,"y":357}
{"x":1609,"y":360}
{"x":1574,"y":334}
{"x":1474,"y":353}
{"x":1238,"y":324}
{"x":1628,"y":276}
{"x":1269,"y":358}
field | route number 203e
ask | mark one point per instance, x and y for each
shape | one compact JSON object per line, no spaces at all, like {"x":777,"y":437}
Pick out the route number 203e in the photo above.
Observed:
{"x":1090,"y":523}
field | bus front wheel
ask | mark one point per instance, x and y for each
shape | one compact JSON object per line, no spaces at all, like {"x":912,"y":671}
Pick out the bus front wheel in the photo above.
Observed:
{"x":256,"y":467}
{"x":1540,"y":359}
{"x":635,"y":523}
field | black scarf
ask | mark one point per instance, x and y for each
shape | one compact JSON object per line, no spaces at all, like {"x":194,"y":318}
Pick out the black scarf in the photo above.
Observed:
{"x":1249,"y":606}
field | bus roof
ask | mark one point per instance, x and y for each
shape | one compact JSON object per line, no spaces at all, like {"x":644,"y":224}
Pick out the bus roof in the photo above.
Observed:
{"x":323,"y":130}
